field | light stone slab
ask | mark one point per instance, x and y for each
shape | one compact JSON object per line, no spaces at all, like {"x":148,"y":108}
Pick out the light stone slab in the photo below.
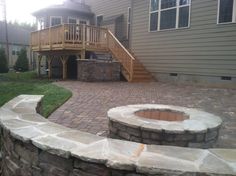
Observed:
{"x":52,"y":128}
{"x":213,"y":164}
{"x":80,"y":137}
{"x":56,"y":145}
{"x":26,"y":134}
{"x":16,"y":124}
{"x":114,"y":153}
{"x":33,"y":118}
{"x":188,"y":154}
{"x":153,"y":163}
{"x":23,"y":110}
{"x":7,"y":114}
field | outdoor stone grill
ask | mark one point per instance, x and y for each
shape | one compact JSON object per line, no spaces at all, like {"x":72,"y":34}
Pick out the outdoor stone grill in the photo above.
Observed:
{"x":33,"y":146}
{"x":164,"y":125}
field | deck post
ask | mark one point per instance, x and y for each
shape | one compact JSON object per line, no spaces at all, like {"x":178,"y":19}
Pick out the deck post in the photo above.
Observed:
{"x":63,"y":36}
{"x":50,"y":38}
{"x":64,"y":60}
{"x":84,"y":36}
{"x":39,"y":65}
{"x":82,"y":55}
{"x":49,"y":59}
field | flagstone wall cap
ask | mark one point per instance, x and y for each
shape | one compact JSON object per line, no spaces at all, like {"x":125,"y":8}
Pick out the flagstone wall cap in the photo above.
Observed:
{"x":116,"y":154}
{"x":198,"y":121}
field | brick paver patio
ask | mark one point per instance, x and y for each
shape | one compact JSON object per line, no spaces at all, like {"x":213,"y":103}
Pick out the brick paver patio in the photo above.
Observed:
{"x":86,"y":110}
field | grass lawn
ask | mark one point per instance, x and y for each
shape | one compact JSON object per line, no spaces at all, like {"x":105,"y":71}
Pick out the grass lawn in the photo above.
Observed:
{"x":13,"y":84}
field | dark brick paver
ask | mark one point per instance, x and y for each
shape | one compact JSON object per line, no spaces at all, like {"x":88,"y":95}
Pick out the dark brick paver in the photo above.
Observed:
{"x":87,"y":109}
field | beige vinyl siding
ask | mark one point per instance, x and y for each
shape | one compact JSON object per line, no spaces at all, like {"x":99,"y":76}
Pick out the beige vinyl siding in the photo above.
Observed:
{"x":109,"y":8}
{"x":203,"y":49}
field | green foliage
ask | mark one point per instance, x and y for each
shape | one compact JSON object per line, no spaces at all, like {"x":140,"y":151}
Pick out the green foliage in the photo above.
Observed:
{"x":14,"y":84}
{"x":25,"y":25}
{"x":3,"y":61}
{"x":22,"y":63}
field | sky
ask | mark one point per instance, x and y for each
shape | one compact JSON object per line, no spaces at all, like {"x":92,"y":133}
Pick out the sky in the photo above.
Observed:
{"x":20,"y":10}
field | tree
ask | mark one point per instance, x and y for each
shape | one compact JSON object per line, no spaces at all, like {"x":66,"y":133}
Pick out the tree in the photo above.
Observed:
{"x":3,"y":61}
{"x":22,"y":63}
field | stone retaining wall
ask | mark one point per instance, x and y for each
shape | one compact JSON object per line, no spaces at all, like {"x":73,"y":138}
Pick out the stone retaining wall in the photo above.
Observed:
{"x":93,"y":70}
{"x":33,"y":146}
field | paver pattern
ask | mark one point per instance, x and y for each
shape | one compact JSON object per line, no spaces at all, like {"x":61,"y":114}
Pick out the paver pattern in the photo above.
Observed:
{"x":87,"y":109}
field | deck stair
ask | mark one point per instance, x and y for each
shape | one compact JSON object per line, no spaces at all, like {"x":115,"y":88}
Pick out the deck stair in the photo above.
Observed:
{"x":140,"y":74}
{"x":132,"y":69}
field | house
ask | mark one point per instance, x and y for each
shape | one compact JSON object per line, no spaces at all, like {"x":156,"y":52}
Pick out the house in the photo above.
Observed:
{"x":190,"y":41}
{"x":18,"y":38}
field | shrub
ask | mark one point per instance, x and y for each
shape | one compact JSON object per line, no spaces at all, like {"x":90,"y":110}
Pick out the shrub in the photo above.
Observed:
{"x":3,"y":61}
{"x":22,"y":63}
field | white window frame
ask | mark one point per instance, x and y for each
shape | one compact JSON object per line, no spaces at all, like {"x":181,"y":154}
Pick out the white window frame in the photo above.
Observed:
{"x":72,"y":18}
{"x":87,"y":21}
{"x":97,"y":18}
{"x":51,"y":17}
{"x":233,"y":15}
{"x":177,"y":16}
{"x":128,"y":22}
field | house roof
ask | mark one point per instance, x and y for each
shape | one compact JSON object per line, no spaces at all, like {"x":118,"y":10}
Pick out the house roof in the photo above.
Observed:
{"x":68,"y":5}
{"x":16,"y":34}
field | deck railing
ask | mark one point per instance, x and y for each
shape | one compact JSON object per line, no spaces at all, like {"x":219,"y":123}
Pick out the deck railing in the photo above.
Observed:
{"x":122,"y":55}
{"x":69,"y":36}
{"x":77,"y":37}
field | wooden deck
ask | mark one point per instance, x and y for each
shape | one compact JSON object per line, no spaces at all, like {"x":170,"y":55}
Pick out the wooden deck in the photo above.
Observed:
{"x":70,"y":37}
{"x":80,"y":38}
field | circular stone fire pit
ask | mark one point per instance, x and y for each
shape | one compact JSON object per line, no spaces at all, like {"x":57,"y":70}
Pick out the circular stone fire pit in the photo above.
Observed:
{"x":164,"y":125}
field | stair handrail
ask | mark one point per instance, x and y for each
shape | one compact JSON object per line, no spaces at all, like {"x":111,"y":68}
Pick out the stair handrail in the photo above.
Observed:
{"x":132,"y":59}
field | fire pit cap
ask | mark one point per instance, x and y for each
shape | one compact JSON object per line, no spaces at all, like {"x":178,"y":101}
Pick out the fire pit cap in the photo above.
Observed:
{"x":172,"y":119}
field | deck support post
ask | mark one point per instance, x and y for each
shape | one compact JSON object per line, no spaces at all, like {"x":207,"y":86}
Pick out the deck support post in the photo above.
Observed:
{"x":49,"y":60}
{"x":82,"y":55}
{"x":39,"y":65}
{"x":64,"y":60}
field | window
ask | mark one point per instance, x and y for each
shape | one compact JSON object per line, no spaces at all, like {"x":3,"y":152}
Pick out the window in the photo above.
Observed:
{"x":99,"y":20}
{"x":72,"y":20}
{"x":169,"y":14}
{"x":41,"y":23}
{"x":83,"y":22}
{"x":226,"y":11}
{"x":54,"y":21}
{"x":128,"y":23}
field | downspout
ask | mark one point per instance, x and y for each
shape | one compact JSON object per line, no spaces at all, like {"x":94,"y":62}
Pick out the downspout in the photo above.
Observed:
{"x":131,"y":25}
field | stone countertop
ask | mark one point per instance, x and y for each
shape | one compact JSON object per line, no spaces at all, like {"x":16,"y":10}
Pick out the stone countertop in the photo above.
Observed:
{"x":20,"y":118}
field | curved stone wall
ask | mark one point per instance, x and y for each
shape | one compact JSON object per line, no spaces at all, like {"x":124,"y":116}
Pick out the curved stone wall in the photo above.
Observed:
{"x":164,"y":125}
{"x":33,"y":146}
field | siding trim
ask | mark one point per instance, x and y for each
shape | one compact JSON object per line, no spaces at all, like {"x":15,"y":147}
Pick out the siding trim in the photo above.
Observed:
{"x":128,"y":22}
